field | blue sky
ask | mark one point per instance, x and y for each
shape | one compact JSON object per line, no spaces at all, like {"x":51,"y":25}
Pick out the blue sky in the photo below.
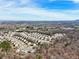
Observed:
{"x":37,"y":10}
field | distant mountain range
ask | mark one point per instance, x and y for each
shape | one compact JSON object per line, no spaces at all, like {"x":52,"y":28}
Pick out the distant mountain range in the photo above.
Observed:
{"x":76,"y":22}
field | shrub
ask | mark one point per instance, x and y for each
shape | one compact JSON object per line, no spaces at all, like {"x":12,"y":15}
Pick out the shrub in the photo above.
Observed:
{"x":5,"y":45}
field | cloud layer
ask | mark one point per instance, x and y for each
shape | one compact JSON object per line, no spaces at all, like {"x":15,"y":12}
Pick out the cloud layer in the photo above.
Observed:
{"x":36,"y":10}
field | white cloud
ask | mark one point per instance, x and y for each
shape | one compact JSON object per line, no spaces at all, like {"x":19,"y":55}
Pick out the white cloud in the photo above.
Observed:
{"x":25,"y":1}
{"x":15,"y":3}
{"x":75,"y":1}
{"x":36,"y":14}
{"x":8,"y":12}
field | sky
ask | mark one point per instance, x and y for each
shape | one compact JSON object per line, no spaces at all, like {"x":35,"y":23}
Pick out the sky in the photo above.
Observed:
{"x":39,"y":10}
